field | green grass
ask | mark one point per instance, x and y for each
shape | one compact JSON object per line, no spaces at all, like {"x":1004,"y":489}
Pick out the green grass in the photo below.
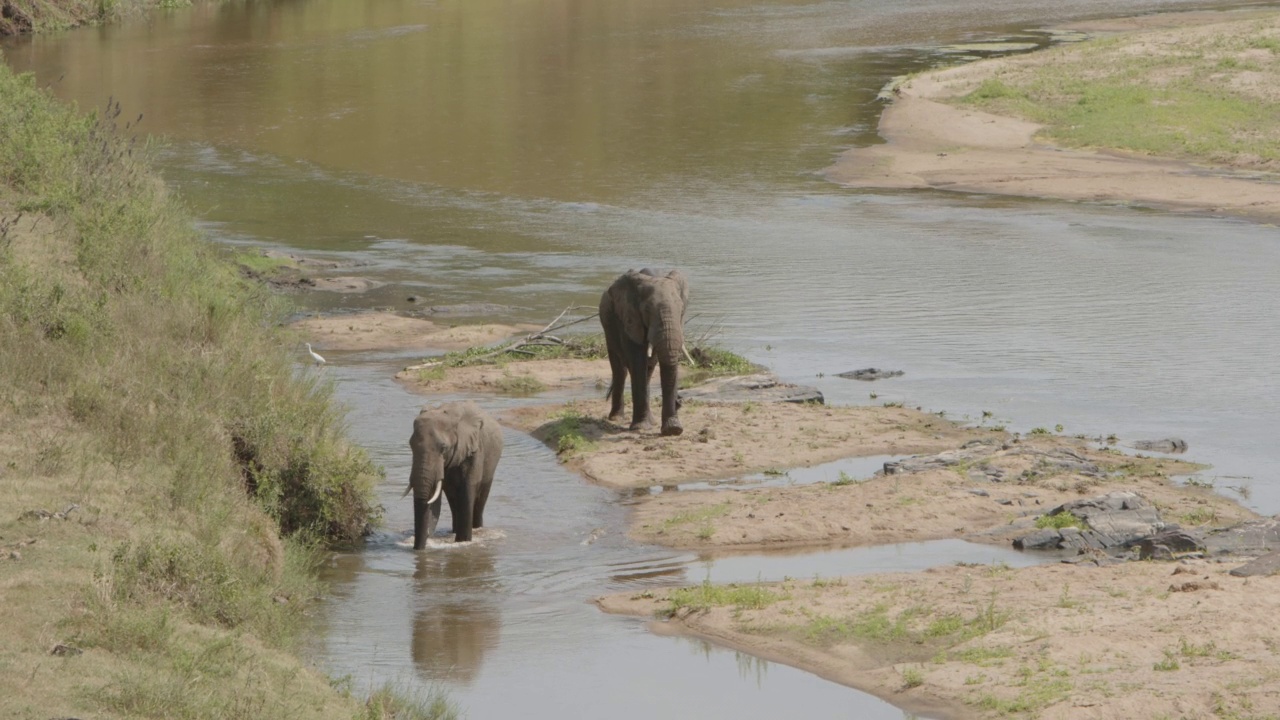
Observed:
{"x":843,"y":479}
{"x":1060,"y":520}
{"x":394,"y":702}
{"x":918,"y":625}
{"x":51,"y":15}
{"x":1174,"y":100}
{"x":710,"y":362}
{"x":143,"y":380}
{"x":519,"y":385}
{"x":263,"y":265}
{"x":982,"y":656}
{"x":565,"y":434}
{"x":700,"y":515}
{"x":706,"y":596}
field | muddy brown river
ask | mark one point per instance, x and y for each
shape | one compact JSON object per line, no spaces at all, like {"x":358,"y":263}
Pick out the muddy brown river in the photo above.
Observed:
{"x":522,"y":154}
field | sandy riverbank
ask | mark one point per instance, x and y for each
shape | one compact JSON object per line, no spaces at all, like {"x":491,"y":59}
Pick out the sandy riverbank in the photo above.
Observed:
{"x":935,"y":142}
{"x":963,"y":642}
{"x":1137,"y":640}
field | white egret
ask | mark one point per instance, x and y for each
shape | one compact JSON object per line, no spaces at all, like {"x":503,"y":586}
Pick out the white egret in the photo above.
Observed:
{"x":315,"y":355}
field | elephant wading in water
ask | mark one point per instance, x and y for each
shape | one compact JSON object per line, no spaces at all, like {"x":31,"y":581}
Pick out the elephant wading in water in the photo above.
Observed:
{"x":640,"y":311}
{"x":456,"y":447}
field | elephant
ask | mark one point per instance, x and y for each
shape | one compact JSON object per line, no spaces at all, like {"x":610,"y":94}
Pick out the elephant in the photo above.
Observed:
{"x":456,"y":447}
{"x":645,"y":310}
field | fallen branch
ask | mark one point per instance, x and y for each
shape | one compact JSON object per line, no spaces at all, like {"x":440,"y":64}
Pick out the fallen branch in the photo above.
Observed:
{"x":541,"y":338}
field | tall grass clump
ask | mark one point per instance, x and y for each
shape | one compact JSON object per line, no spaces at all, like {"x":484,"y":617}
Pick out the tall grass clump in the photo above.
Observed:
{"x":148,"y":392}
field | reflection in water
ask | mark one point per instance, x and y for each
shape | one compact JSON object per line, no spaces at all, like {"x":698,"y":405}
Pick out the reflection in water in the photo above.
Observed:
{"x":751,"y":667}
{"x":452,"y":634}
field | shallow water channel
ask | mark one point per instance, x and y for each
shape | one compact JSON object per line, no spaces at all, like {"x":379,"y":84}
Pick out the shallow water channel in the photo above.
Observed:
{"x":523,"y":154}
{"x":506,"y":623}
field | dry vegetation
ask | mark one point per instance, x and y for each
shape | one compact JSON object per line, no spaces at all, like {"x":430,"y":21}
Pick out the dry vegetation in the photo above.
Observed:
{"x":156,"y":445}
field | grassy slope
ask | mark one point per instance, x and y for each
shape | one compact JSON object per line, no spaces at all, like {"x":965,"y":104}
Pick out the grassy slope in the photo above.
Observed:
{"x":1213,"y":95}
{"x":144,"y":382}
{"x":22,"y":16}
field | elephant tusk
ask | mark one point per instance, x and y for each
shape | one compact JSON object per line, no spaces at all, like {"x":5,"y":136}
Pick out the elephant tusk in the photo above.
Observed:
{"x":439,"y":487}
{"x":685,"y":350}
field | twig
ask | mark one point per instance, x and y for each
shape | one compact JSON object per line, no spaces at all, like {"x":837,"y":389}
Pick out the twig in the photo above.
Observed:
{"x":531,"y":340}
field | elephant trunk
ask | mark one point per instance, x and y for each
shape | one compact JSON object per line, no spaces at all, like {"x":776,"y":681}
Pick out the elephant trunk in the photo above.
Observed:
{"x":667,"y":350}
{"x":426,"y":480}
{"x":669,"y":341}
{"x":421,"y":509}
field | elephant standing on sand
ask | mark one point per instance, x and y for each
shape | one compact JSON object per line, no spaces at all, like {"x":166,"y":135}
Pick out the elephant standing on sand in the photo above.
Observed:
{"x":639,"y":311}
{"x":456,"y":447}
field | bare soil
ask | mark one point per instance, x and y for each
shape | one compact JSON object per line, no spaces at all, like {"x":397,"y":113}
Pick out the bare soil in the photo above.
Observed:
{"x":563,"y":374}
{"x":930,"y":144}
{"x":388,"y":331}
{"x":726,"y":440}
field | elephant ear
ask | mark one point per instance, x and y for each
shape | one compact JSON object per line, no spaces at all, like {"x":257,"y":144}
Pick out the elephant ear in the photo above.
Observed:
{"x":682,"y":287}
{"x":469,"y":428}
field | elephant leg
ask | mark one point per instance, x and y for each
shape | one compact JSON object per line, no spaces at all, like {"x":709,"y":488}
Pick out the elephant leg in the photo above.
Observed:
{"x":461,"y":504}
{"x":492,"y":453}
{"x":670,"y":400}
{"x":425,"y":517}
{"x":482,"y":497}
{"x":613,"y":343}
{"x":637,"y":356}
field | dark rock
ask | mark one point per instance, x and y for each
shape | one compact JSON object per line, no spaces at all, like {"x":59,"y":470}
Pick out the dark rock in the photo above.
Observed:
{"x":1045,"y":539}
{"x":1112,"y":522}
{"x":343,"y":284}
{"x":1118,"y":517}
{"x":413,"y":299}
{"x":1169,"y":544}
{"x":1167,"y":445}
{"x":1253,"y":538}
{"x":945,"y":459}
{"x":869,"y":374}
{"x":1268,"y":564}
{"x":761,"y":387}
{"x":1194,"y":585}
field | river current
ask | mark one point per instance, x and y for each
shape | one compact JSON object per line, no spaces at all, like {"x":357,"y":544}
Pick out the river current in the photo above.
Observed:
{"x":522,"y":154}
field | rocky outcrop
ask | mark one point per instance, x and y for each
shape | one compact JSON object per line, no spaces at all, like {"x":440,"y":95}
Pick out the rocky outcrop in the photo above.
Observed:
{"x":760,"y":387}
{"x":869,"y":374}
{"x":1114,"y":521}
{"x":1125,"y":526}
{"x":1167,"y":445}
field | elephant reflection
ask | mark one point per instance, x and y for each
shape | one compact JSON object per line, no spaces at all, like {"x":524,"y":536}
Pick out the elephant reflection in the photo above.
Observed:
{"x":456,"y":622}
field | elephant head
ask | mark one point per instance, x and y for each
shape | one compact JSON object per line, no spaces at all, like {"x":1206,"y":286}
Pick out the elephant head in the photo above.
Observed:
{"x":455,"y":450}
{"x":643,"y":311}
